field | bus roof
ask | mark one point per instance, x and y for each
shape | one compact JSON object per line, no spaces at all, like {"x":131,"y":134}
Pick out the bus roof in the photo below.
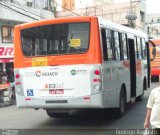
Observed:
{"x":105,"y":23}
{"x":102,"y":22}
{"x":55,"y":20}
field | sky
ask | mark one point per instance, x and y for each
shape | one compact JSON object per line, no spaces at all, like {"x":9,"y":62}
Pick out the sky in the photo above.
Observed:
{"x":153,"y":6}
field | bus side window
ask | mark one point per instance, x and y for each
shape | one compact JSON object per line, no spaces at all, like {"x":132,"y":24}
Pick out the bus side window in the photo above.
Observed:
{"x":139,"y":49}
{"x":109,"y":41}
{"x":124,"y":46}
{"x":116,"y":45}
{"x":135,"y":47}
{"x":144,"y":56}
{"x":104,"y":44}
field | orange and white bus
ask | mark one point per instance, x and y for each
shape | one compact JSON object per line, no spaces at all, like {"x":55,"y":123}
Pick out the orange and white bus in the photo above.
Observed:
{"x":155,"y":62}
{"x":79,"y":63}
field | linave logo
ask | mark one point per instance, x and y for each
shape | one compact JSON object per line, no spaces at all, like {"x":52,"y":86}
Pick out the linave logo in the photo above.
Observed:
{"x":39,"y":73}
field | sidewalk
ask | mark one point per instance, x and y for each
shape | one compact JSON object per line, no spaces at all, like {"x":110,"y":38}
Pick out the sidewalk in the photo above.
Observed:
{"x":7,"y":97}
{"x":4,"y":104}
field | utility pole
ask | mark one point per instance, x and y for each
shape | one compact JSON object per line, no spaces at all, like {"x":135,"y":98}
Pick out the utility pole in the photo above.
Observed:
{"x":131,"y":16}
{"x":54,"y":8}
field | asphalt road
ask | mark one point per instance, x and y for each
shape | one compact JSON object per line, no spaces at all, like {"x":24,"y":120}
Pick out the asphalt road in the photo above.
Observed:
{"x":80,"y":122}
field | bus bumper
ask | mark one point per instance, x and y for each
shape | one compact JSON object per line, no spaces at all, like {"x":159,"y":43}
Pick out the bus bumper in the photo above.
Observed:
{"x":91,"y":101}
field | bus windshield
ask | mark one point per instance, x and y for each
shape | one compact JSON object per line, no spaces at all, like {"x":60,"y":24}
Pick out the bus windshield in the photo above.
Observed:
{"x":56,"y":39}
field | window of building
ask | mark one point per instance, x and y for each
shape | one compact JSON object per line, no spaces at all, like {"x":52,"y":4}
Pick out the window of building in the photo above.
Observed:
{"x":41,"y":4}
{"x":142,"y":16}
{"x":158,"y":20}
{"x":152,"y":21}
{"x":68,"y":4}
{"x":7,"y":34}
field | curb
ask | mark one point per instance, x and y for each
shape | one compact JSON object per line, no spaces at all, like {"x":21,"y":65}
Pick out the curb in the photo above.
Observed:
{"x":5,"y":104}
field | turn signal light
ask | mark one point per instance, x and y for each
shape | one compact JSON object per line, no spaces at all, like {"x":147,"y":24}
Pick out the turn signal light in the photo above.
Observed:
{"x":97,"y":80}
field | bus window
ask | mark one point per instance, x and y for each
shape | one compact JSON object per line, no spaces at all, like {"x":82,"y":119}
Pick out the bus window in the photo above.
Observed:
{"x":27,"y":49}
{"x":139,"y":52}
{"x":103,"y":33}
{"x":144,"y":56}
{"x":116,"y":45}
{"x":56,"y":39}
{"x":109,"y":39}
{"x":135,"y":47}
{"x":124,"y":45}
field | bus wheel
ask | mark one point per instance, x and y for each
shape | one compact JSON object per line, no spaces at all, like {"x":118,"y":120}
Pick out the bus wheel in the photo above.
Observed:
{"x":57,"y":114}
{"x":140,"y":98}
{"x":122,"y":104}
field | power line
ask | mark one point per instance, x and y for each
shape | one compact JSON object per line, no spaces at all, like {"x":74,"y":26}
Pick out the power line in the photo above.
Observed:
{"x":7,"y":7}
{"x":67,"y":9}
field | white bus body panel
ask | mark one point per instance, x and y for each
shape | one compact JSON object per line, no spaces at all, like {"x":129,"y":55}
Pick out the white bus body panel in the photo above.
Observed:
{"x":67,"y":86}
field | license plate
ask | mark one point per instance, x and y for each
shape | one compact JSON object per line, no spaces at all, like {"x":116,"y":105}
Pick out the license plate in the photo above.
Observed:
{"x":56,"y":101}
{"x":59,"y":91}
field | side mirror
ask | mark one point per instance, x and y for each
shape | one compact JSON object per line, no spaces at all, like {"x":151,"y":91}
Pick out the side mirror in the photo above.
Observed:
{"x":154,"y":51}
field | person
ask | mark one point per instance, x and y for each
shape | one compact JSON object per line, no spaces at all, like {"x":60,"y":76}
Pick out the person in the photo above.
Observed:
{"x":10,"y":76}
{"x":153,"y":111}
{"x":1,"y":75}
{"x":4,"y":78}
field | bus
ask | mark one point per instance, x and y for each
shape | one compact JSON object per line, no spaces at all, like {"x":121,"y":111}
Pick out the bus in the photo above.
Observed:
{"x":155,"y":63}
{"x":77,"y":63}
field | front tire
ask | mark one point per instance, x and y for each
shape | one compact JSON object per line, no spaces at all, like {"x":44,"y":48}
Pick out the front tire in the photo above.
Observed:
{"x":140,"y":98}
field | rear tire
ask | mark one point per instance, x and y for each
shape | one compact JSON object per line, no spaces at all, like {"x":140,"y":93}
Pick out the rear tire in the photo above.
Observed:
{"x":122,"y":104}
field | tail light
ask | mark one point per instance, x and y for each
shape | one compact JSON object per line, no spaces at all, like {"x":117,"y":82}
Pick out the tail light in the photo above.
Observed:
{"x":97,"y":82}
{"x":97,"y":72}
{"x":18,"y":83}
{"x":17,"y":76}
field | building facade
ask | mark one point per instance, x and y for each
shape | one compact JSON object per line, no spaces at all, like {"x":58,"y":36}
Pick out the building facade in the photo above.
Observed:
{"x":153,"y":25}
{"x":115,"y":12}
{"x":63,"y":5}
{"x":14,"y":12}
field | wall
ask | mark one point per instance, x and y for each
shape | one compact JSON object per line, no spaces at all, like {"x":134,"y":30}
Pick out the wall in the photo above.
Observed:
{"x":21,"y":13}
{"x":73,"y":4}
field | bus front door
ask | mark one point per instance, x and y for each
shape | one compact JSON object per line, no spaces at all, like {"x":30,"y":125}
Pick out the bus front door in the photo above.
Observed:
{"x":132,"y":57}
